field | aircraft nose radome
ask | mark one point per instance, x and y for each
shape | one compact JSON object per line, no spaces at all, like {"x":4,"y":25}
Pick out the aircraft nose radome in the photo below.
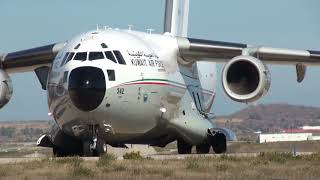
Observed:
{"x":87,"y":87}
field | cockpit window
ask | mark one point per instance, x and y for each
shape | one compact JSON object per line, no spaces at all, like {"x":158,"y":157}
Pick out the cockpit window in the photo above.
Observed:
{"x":110,"y":56}
{"x":119,"y":57}
{"x":111,"y":75}
{"x":64,"y":59}
{"x":95,"y":55}
{"x":103,"y":45}
{"x":70,"y":57}
{"x":82,"y":56}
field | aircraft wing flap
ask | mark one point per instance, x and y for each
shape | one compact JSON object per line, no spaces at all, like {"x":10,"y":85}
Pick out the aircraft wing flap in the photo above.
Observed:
{"x":286,"y":56}
{"x":30,"y":59}
{"x":192,"y":50}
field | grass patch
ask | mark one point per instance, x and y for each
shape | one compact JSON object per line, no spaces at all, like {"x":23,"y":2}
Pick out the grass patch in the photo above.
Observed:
{"x":167,"y":173}
{"x":3,"y":171}
{"x":81,"y":171}
{"x":312,"y":157}
{"x":222,"y":167}
{"x":225,"y":157}
{"x":64,"y":160}
{"x":35,"y":164}
{"x":120,"y":167}
{"x":277,"y":157}
{"x":77,"y":168}
{"x":133,"y":156}
{"x":264,"y":166}
{"x":192,"y":163}
{"x":106,"y":160}
{"x":163,"y":171}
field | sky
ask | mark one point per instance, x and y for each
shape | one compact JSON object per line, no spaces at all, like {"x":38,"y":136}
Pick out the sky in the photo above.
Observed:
{"x":286,"y":23}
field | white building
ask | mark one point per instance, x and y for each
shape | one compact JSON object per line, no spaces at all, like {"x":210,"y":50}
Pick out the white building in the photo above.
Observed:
{"x":285,"y":137}
{"x":310,"y":127}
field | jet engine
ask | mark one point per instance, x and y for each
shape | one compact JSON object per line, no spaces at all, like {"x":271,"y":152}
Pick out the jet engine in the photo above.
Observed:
{"x":245,"y":79}
{"x":5,"y":88}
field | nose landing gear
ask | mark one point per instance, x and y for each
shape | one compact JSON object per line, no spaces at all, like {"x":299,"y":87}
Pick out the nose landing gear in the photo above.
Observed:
{"x":95,"y":146}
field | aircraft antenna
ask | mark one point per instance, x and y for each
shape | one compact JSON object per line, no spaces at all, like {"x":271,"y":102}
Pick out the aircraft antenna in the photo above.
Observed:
{"x":97,"y":27}
{"x":130,"y":27}
{"x":150,"y":30}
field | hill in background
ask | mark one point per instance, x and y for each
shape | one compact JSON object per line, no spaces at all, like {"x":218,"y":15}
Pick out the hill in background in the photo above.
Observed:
{"x":271,"y":118}
{"x":22,"y":131}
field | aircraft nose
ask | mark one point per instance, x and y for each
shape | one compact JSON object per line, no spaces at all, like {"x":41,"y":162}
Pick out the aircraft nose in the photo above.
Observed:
{"x":87,"y":87}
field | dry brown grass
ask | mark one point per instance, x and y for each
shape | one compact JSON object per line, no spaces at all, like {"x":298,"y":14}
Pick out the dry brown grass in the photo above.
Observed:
{"x":264,"y":166}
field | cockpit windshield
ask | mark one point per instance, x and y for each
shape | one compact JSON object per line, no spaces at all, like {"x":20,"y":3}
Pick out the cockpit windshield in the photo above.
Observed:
{"x":82,"y":56}
{"x":114,"y":56}
{"x":95,"y":55}
{"x":110,"y":56}
{"x":70,"y":57}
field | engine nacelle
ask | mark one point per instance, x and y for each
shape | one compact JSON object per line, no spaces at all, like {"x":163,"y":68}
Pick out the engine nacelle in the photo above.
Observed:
{"x":5,"y":88}
{"x":245,"y":79}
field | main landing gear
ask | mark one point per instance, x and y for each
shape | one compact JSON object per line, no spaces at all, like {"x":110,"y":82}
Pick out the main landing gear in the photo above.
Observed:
{"x":183,"y":147}
{"x":203,"y":148}
{"x":217,"y":141}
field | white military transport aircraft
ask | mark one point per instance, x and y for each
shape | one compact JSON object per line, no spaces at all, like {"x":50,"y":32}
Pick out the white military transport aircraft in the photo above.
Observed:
{"x":117,"y":87}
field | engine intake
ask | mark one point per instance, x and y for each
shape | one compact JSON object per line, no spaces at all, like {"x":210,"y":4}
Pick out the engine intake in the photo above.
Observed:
{"x":5,"y":88}
{"x":245,"y":79}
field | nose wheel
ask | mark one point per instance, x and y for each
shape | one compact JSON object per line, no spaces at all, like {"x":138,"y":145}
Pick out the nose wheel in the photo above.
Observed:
{"x":87,"y":149}
{"x":95,"y":147}
{"x":101,"y":148}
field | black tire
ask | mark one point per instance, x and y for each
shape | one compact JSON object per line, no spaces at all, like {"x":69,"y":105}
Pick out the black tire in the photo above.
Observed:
{"x":183,"y":147}
{"x":100,"y":148}
{"x":203,"y":148}
{"x":86,"y":149}
{"x":219,"y":144}
{"x":57,"y":152}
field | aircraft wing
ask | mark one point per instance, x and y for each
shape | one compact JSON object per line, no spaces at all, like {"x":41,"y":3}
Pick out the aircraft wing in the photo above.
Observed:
{"x":192,"y":50}
{"x":30,"y":59}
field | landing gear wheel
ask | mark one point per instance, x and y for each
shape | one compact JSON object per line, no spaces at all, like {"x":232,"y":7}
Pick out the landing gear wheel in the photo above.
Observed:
{"x":58,"y":152}
{"x":203,"y":148}
{"x":219,"y":143}
{"x":184,"y":148}
{"x":101,"y":148}
{"x":86,"y":147}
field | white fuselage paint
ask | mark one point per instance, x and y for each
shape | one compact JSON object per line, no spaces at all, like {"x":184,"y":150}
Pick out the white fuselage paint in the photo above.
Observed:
{"x":151,"y":95}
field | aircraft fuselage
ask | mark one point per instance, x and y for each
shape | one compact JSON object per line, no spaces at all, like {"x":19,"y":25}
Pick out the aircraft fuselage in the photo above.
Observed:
{"x":127,"y":87}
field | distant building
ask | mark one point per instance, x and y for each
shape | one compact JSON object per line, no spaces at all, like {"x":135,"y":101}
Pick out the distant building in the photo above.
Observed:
{"x":264,"y":138}
{"x":303,"y":129}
